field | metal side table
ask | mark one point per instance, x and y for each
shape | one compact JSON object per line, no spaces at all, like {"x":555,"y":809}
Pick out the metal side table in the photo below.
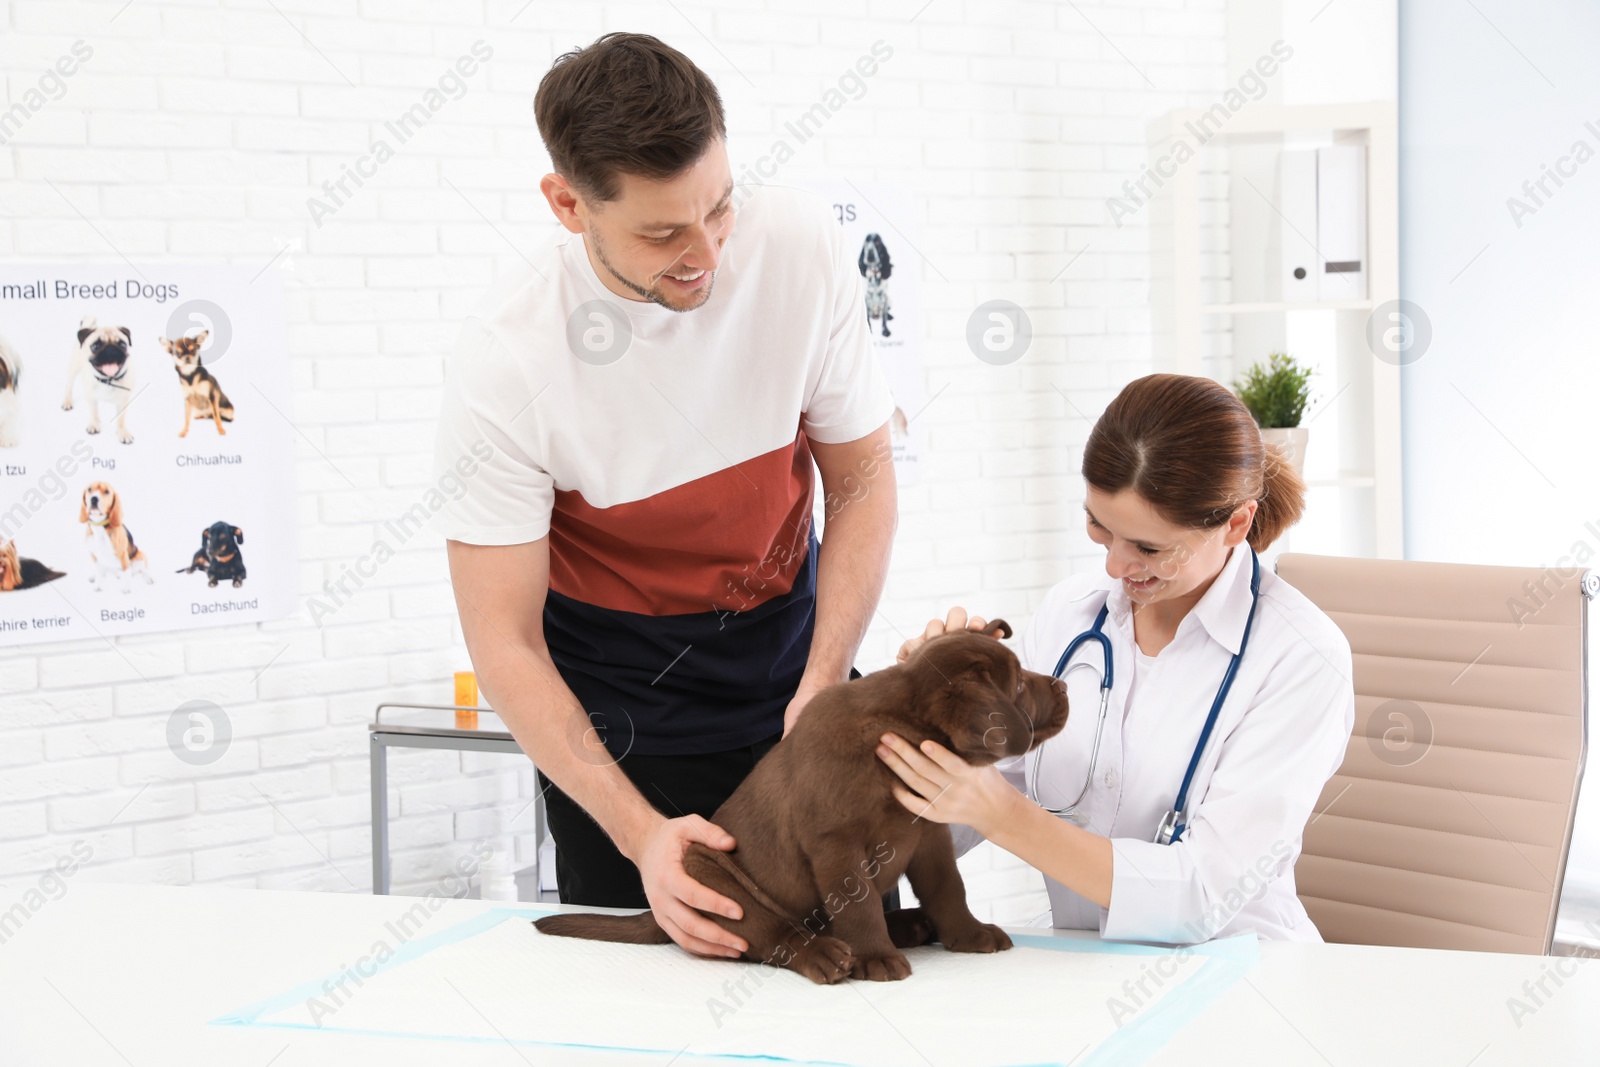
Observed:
{"x":423,"y":726}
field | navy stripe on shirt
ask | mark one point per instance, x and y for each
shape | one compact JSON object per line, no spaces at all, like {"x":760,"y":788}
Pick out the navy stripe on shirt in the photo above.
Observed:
{"x":685,"y":684}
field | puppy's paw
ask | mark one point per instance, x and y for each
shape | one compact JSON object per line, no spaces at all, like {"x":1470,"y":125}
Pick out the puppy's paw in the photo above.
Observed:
{"x":909,"y":927}
{"x":981,"y":937}
{"x":66,"y":405}
{"x":889,"y":967}
{"x":92,"y":428}
{"x":825,"y":960}
{"x":125,"y":437}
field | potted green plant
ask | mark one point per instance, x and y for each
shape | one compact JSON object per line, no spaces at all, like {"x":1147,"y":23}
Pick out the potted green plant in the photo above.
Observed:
{"x":1276,"y":395}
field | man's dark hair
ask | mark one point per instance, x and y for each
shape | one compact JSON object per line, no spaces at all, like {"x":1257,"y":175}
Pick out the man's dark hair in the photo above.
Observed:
{"x":627,"y":104}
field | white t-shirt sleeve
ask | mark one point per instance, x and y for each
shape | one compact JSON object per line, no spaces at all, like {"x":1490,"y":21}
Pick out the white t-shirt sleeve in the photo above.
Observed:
{"x":494,"y":492}
{"x":849,"y":396}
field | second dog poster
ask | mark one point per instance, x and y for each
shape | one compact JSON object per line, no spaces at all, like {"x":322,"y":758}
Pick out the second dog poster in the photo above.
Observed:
{"x":879,"y":226}
{"x":146,"y":452}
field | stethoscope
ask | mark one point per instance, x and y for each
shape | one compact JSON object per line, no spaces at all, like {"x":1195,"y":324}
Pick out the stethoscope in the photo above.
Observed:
{"x":1171,"y":827}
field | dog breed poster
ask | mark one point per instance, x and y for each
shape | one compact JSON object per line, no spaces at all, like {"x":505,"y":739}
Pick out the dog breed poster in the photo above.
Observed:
{"x":146,"y":450}
{"x":880,"y":229}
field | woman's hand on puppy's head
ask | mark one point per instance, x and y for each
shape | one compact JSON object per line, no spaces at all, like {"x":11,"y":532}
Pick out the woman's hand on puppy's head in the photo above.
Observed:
{"x":956,"y":620}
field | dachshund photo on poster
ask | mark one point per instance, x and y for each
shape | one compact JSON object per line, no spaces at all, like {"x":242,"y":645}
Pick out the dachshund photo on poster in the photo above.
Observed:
{"x":219,"y":555}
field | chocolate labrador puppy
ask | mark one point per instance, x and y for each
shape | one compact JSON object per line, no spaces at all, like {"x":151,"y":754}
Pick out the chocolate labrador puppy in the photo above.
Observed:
{"x":821,"y":836}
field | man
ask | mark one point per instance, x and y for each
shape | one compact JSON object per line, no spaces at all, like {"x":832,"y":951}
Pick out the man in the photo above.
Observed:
{"x":640,"y":589}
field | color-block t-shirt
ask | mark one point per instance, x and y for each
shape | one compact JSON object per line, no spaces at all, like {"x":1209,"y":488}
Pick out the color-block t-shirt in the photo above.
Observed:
{"x":674,"y":480}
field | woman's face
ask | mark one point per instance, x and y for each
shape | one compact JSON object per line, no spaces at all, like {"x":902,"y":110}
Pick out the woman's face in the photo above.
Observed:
{"x":1154,"y":559}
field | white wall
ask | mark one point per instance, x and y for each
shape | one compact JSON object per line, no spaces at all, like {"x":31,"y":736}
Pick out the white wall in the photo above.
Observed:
{"x":198,"y":132}
{"x":1499,"y":413}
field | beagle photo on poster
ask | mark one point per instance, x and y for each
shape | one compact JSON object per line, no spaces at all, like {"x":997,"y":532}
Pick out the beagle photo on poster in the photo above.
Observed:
{"x":112,"y":551}
{"x":102,"y":357}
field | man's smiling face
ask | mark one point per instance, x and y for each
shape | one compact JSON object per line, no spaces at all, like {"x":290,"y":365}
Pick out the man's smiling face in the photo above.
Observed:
{"x":659,"y":241}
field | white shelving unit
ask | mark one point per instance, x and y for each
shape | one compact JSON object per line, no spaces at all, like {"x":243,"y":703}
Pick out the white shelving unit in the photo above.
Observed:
{"x":1210,"y":233}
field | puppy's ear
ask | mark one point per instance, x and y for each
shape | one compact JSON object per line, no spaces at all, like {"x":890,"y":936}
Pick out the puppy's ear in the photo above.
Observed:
{"x":167,"y":345}
{"x":83,"y":506}
{"x":200,"y":339}
{"x":984,"y":725}
{"x":238,"y":535}
{"x":126,"y":336}
{"x":997,"y":628}
{"x":114,"y":515}
{"x":84,"y":333}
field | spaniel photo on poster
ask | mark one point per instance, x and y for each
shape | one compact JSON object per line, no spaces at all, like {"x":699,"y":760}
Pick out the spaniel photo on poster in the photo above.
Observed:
{"x":873,"y":262}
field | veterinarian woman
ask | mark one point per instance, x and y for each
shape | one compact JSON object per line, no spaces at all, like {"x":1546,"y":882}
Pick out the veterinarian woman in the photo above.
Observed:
{"x":1182,"y":493}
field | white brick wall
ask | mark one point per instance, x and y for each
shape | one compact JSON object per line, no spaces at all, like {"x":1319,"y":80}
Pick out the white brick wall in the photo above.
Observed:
{"x":198,"y":130}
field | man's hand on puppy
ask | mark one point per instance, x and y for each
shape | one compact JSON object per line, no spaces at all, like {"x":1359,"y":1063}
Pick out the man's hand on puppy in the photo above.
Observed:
{"x":943,"y":787}
{"x":677,"y":899}
{"x":802,"y":697}
{"x":956,"y":620}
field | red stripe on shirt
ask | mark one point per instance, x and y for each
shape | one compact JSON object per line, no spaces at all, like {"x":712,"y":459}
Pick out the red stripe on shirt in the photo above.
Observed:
{"x":725,"y":542}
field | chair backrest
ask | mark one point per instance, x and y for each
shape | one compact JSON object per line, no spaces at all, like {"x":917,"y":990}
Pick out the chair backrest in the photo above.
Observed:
{"x":1448,"y":824}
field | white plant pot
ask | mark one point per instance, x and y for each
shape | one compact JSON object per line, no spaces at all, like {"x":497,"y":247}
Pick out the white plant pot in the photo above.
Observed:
{"x":1291,"y":441}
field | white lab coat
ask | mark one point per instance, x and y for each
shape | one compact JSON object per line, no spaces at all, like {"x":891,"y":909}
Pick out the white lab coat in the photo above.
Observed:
{"x":1279,"y":737}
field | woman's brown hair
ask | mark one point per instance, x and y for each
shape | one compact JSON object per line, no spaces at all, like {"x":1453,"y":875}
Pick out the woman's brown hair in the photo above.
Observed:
{"x":626,"y":104}
{"x":1189,"y":447}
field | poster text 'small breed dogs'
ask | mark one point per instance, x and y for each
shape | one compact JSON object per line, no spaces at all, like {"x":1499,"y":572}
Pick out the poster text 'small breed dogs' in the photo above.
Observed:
{"x":820,"y":836}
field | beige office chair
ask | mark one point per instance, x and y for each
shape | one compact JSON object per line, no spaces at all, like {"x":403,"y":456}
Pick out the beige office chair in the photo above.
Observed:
{"x":1447,"y":825}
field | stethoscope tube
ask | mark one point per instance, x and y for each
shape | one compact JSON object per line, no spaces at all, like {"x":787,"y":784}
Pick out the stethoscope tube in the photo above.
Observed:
{"x":1097,"y":635}
{"x":1172,"y":824}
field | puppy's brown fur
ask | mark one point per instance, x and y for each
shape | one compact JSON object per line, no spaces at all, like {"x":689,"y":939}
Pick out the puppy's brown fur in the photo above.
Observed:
{"x":820,"y":835}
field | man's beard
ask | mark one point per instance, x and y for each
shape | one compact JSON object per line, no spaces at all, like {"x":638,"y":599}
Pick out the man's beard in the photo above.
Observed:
{"x":654,"y":295}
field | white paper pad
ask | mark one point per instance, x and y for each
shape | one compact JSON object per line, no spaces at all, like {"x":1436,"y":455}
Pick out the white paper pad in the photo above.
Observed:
{"x":499,"y":979}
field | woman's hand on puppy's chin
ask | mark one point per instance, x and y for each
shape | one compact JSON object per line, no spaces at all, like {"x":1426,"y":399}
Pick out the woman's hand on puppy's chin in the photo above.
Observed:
{"x":677,"y":899}
{"x":938,"y":785}
{"x":956,"y":620}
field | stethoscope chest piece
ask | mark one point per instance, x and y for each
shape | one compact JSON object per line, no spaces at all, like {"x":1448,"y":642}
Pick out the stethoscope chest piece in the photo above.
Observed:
{"x":1168,"y":827}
